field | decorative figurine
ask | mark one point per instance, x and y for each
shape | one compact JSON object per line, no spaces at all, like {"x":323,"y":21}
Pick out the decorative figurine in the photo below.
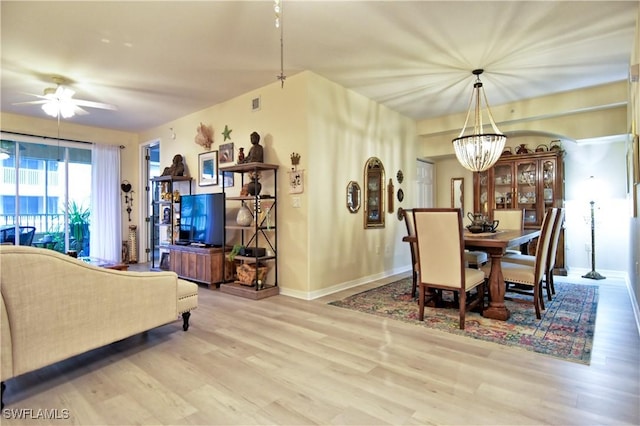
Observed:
{"x":240,"y":155}
{"x":256,"y":154}
{"x":177,"y":167}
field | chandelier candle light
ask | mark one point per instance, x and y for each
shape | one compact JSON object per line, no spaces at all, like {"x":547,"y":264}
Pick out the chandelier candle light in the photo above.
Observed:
{"x":479,"y":151}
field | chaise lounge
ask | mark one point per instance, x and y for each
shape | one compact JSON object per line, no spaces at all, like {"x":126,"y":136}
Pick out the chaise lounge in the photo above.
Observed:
{"x":54,"y":306}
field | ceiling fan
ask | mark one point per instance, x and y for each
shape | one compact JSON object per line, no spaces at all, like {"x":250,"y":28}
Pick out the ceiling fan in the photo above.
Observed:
{"x":59,"y":102}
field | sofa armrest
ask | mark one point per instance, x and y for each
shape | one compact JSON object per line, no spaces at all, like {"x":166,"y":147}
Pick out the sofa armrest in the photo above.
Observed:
{"x":58,"y":306}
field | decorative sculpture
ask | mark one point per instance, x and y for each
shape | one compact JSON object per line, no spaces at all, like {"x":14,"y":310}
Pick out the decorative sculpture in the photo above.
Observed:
{"x":256,"y":153}
{"x":177,"y":167}
{"x":204,"y":137}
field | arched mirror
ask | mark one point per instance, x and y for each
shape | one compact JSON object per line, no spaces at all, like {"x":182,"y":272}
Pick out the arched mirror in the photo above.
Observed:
{"x":353,"y":196}
{"x":373,"y":193}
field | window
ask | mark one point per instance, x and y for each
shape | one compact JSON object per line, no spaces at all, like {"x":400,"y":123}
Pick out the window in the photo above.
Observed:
{"x":51,"y":183}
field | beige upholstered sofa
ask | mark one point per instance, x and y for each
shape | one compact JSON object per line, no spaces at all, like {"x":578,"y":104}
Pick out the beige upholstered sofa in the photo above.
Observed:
{"x":54,"y":306}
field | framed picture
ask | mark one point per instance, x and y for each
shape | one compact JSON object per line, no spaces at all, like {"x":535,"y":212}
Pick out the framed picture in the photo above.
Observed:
{"x":208,"y":168}
{"x":226,"y":179}
{"x":166,"y":215}
{"x":226,"y":152}
{"x":296,"y":182}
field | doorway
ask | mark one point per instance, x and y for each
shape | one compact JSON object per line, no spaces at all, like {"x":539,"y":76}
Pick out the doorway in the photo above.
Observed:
{"x":150,"y":168}
{"x":424,"y":184}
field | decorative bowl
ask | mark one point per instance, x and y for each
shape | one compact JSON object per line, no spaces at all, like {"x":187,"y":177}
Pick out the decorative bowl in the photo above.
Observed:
{"x":475,"y":229}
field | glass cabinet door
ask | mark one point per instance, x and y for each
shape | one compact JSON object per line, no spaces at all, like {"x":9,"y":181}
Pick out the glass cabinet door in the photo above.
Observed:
{"x":548,"y":183}
{"x":503,"y":184}
{"x":526,"y":184}
{"x":483,"y":185}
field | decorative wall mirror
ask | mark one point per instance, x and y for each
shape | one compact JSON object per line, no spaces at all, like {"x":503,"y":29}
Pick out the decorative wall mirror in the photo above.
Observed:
{"x":374,"y":185}
{"x":353,"y":196}
{"x":457,"y":193}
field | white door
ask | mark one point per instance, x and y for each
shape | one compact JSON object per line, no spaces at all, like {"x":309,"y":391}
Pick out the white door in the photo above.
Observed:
{"x":424,"y":184}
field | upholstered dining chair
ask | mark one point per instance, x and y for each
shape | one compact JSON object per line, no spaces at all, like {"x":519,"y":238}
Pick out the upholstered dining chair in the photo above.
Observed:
{"x":529,"y":260}
{"x":440,"y":250}
{"x":531,"y":275}
{"x":510,"y":219}
{"x":410,"y":238}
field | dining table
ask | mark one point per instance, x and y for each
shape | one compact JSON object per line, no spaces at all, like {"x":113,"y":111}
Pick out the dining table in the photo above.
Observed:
{"x":495,"y":245}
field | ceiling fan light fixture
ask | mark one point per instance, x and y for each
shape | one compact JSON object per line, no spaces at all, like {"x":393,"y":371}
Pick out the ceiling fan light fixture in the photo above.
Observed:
{"x":58,"y":107}
{"x":478,"y":151}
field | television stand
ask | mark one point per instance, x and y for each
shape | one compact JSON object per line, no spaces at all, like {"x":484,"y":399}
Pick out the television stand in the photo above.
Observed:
{"x":199,"y":264}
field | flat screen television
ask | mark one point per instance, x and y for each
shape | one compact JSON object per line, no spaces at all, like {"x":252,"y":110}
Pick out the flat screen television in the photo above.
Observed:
{"x":202,"y":219}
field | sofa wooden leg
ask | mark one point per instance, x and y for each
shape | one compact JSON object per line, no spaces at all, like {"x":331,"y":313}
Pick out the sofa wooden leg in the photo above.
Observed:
{"x":185,"y":320}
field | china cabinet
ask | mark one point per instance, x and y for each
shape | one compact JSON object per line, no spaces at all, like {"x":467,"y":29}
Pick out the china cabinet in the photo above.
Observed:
{"x":531,"y":182}
{"x":257,"y":270}
{"x":165,"y":218}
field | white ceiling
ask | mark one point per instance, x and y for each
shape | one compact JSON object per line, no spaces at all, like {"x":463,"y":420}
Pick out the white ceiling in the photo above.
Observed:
{"x":160,"y":60}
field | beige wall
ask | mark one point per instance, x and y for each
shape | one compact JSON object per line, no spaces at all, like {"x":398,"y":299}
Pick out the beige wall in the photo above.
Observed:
{"x":345,"y":129}
{"x":321,"y":246}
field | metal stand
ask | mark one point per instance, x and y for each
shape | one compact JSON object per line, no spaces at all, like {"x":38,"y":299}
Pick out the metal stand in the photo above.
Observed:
{"x":593,"y":274}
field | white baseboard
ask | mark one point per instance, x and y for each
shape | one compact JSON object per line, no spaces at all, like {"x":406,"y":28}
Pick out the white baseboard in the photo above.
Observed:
{"x":342,"y":286}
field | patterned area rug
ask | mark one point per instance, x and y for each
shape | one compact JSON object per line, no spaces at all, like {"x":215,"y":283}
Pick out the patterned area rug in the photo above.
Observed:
{"x":565,"y":330}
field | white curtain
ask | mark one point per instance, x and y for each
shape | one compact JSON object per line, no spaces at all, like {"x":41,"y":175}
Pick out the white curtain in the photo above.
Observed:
{"x":105,"y":227}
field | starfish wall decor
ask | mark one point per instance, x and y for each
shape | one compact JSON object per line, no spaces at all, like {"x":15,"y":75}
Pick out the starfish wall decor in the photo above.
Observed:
{"x":226,"y":133}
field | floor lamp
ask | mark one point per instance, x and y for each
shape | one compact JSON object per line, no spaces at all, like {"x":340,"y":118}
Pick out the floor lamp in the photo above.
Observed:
{"x":593,"y":274}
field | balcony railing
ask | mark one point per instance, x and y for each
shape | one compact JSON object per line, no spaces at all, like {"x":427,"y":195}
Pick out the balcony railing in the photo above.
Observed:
{"x":44,"y":223}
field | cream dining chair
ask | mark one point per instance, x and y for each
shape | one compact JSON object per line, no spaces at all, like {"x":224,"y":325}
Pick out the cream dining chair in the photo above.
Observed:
{"x":441,"y":262}
{"x":531,"y":275}
{"x":529,"y":260}
{"x":410,"y":238}
{"x":510,"y":219}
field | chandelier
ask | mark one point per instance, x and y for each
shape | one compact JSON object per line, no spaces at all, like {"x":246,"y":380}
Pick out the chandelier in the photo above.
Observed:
{"x":479,"y":151}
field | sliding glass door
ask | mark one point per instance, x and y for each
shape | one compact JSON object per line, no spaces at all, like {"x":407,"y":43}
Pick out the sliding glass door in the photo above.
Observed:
{"x":45,"y":193}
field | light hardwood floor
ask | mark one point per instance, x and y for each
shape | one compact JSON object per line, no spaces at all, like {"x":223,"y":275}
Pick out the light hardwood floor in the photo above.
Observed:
{"x":287,"y":361}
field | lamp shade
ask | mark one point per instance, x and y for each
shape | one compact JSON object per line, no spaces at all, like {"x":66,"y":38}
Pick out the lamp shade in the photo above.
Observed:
{"x":478,"y":151}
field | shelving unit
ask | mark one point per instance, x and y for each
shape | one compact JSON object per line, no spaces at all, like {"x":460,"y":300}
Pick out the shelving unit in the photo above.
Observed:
{"x":259,"y":238}
{"x":165,"y":218}
{"x":532,"y":182}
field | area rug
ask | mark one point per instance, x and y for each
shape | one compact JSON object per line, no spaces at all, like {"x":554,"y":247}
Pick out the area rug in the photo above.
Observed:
{"x":565,"y":331}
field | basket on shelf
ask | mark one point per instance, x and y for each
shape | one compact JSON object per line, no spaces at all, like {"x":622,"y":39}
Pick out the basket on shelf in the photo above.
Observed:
{"x":247,"y":273}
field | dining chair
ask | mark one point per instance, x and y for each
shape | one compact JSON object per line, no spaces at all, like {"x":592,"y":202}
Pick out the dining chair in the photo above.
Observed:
{"x":529,"y":260}
{"x":440,"y":251}
{"x":525,"y":275}
{"x":410,"y":238}
{"x":510,"y":219}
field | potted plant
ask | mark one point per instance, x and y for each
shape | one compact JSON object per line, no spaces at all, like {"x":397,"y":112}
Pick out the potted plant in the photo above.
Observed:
{"x":237,"y":248}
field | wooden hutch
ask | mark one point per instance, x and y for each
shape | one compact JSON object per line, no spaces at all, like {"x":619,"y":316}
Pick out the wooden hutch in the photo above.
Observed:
{"x":529,"y":181}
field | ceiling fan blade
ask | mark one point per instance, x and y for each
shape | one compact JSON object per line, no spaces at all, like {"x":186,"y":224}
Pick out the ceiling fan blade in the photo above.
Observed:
{"x":91,"y":104}
{"x":79,"y":111}
{"x":32,"y":102}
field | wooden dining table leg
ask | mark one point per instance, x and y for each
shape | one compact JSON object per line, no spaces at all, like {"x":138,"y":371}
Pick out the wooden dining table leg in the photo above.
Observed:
{"x":496,"y":309}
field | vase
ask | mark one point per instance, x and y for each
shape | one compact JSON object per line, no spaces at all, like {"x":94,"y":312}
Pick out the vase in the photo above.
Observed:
{"x":133,"y":244}
{"x":254,"y":187}
{"x":244,"y":216}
